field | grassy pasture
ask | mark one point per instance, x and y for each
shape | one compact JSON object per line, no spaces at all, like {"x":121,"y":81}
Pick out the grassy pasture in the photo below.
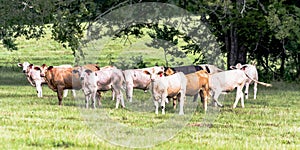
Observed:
{"x":28,"y":122}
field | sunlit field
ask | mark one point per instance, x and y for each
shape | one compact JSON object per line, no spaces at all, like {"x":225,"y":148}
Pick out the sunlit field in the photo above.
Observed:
{"x":272,"y":121}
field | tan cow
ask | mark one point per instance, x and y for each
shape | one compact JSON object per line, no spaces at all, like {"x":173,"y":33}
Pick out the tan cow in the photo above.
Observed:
{"x":163,"y":87}
{"x":59,"y":79}
{"x":197,"y":83}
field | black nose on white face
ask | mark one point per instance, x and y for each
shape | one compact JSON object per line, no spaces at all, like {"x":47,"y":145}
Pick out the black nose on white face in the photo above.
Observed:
{"x":24,"y":71}
{"x":81,"y":78}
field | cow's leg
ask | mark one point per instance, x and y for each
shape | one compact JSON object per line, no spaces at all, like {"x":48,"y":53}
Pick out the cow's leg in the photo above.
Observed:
{"x":242,"y":99}
{"x":196,"y":97}
{"x":118,"y":97}
{"x":204,"y":97}
{"x":93,"y":95}
{"x":247,"y":90}
{"x":74,"y":93}
{"x":121,"y":98}
{"x":39,"y":89}
{"x":60,"y":90}
{"x":98,"y":97}
{"x":215,"y":97}
{"x":113,"y":95}
{"x":87,"y":98}
{"x":181,"y":98}
{"x":129,"y":91}
{"x":174,"y":102}
{"x":163,"y":105}
{"x":239,"y":94}
{"x":156,"y":106}
{"x":65,"y":93}
{"x":255,"y":90}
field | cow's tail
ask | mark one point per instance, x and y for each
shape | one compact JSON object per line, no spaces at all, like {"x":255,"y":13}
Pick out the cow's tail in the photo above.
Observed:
{"x":262,"y":83}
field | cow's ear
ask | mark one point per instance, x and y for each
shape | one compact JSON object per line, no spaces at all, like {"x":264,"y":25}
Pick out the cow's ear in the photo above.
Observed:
{"x":244,"y":67}
{"x":97,"y":67}
{"x":160,"y":73}
{"x":50,"y":68}
{"x":37,"y":68}
{"x":30,"y":66}
{"x":146,"y":72}
{"x":20,"y":65}
{"x":162,"y":68}
{"x":88,"y":71}
{"x":232,"y":67}
{"x":75,"y":71}
{"x":44,"y":65}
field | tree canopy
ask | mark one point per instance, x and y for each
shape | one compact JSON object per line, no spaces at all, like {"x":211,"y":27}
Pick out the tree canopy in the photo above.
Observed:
{"x":264,"y":32}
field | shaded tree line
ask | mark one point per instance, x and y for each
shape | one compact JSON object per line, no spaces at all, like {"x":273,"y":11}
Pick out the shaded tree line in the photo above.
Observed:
{"x":264,"y":32}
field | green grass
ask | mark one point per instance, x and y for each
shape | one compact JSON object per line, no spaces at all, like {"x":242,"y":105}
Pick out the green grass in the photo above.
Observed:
{"x":28,"y":122}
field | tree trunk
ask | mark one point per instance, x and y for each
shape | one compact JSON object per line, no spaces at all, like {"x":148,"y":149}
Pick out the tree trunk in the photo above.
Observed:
{"x":298,"y":67}
{"x":242,"y":55}
{"x":233,"y":52}
{"x":282,"y":57}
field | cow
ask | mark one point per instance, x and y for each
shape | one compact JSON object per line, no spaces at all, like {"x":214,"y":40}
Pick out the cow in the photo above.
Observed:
{"x":227,"y":81}
{"x":44,"y":68}
{"x":211,"y":69}
{"x":34,"y":75}
{"x":136,"y":79}
{"x":197,"y":83}
{"x":251,"y":71}
{"x":59,"y":79}
{"x":101,"y":80}
{"x":25,"y":70}
{"x":164,"y":87}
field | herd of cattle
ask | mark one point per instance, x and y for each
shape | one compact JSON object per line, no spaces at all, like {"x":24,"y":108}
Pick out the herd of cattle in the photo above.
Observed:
{"x":164,"y":83}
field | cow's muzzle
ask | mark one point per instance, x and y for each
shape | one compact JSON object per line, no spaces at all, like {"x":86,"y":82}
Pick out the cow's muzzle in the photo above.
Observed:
{"x":81,"y":78}
{"x":24,"y":71}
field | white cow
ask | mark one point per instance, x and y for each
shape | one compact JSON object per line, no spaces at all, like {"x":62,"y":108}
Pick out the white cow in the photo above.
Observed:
{"x":164,"y":87}
{"x":251,"y":71}
{"x":227,"y":81}
{"x":101,"y":80}
{"x":136,"y":79}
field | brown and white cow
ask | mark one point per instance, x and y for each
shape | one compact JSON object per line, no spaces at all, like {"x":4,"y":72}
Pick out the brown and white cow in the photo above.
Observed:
{"x":164,"y":87}
{"x":251,"y":71}
{"x":197,"y":83}
{"x":59,"y":79}
{"x":227,"y":81}
{"x":25,"y":70}
{"x":35,"y":76}
{"x":101,"y":80}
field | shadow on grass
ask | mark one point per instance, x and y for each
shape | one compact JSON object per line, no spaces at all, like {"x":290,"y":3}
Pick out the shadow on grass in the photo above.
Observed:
{"x":12,"y":76}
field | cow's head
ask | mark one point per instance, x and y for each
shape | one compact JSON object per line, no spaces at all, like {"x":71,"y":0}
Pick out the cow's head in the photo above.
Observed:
{"x":43,"y":69}
{"x":239,"y":66}
{"x":24,"y":66}
{"x":155,"y":72}
{"x":82,"y":72}
{"x":169,"y":72}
